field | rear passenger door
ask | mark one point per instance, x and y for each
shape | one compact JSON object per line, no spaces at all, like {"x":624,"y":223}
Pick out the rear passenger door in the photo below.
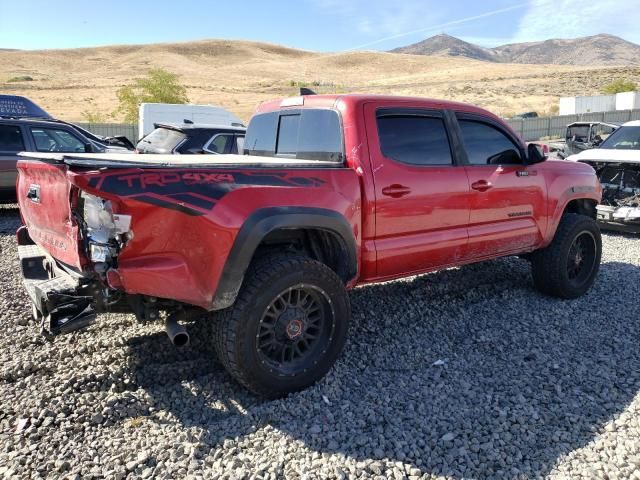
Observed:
{"x":421,"y":194}
{"x":507,"y":201}
{"x":11,"y":142}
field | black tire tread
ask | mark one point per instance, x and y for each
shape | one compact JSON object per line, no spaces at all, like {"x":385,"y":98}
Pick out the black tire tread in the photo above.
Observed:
{"x":546,"y":264}
{"x":230,"y":325}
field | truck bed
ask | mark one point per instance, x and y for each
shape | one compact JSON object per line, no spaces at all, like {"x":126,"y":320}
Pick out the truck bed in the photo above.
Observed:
{"x":129,"y":160}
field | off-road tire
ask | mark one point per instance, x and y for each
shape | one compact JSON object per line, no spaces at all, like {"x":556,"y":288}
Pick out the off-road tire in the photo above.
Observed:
{"x":550,"y":266}
{"x":236,"y":328}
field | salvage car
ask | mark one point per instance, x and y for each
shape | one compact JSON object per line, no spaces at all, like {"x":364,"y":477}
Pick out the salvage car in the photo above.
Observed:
{"x":617,"y":165}
{"x":581,"y":136}
{"x":193,"y":138}
{"x":332,"y":191}
{"x":26,"y":126}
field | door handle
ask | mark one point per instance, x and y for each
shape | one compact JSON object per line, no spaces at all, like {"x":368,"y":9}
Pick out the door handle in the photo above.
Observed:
{"x":481,"y":185}
{"x":396,"y":191}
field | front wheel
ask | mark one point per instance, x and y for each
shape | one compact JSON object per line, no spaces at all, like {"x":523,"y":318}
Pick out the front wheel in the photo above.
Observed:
{"x":568,"y":267}
{"x":287,"y":327}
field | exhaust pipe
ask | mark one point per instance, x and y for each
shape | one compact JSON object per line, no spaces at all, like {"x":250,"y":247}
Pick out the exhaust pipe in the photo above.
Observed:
{"x":176,"y":332}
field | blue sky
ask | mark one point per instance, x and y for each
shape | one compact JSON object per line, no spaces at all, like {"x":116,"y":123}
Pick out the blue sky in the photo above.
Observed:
{"x":321,"y":25}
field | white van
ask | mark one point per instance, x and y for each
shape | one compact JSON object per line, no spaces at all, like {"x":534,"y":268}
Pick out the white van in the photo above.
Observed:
{"x":180,"y":115}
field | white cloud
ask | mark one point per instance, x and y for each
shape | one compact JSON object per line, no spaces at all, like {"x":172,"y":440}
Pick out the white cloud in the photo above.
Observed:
{"x":578,"y":18}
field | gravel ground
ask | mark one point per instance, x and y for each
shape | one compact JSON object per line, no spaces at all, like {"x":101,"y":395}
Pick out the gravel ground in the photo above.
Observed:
{"x":466,"y":373}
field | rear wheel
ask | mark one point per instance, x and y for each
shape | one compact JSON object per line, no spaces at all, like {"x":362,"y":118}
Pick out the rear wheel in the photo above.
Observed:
{"x":568,"y":267}
{"x":287,"y":327}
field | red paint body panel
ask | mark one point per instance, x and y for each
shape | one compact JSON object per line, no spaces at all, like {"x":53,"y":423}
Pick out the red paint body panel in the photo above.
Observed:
{"x":49,"y":220}
{"x":185,"y":220}
{"x":511,"y":214}
{"x":177,"y":256}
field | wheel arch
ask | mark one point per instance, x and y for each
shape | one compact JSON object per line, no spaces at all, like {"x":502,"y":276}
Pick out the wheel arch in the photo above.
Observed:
{"x":581,"y":206}
{"x":324,"y":234}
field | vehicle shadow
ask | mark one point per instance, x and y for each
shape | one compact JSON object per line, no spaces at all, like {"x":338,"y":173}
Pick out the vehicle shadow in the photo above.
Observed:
{"x":9,"y":219}
{"x":517,"y":389}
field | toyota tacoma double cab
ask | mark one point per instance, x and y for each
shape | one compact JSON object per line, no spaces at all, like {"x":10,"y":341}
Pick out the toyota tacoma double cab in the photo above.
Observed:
{"x":332,"y":191}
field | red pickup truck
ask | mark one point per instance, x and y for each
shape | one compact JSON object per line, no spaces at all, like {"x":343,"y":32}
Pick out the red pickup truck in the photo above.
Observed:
{"x":332,"y":191}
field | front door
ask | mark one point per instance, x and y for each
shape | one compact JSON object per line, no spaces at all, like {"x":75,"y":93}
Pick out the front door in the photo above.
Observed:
{"x":507,"y":201}
{"x":421,"y":195}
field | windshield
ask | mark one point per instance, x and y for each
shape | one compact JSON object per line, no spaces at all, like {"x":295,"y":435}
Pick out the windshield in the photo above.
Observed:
{"x":160,"y":140}
{"x":624,"y":138}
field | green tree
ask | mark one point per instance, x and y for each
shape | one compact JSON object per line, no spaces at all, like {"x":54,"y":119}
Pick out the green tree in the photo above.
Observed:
{"x":159,"y":86}
{"x":94,"y":116}
{"x":618,"y":86}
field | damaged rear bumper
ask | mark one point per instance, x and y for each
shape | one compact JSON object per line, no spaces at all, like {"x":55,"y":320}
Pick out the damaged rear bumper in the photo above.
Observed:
{"x":62,"y":302}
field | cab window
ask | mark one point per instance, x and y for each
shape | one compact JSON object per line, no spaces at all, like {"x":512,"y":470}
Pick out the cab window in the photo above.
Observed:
{"x":486,"y":145}
{"x":414,"y":140}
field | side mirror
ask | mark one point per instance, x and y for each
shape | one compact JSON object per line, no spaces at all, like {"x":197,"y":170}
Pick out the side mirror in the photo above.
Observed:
{"x":535,"y":154}
{"x":88,"y":148}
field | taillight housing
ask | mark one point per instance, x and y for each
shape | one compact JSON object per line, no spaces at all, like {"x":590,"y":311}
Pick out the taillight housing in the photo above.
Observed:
{"x":104,"y":230}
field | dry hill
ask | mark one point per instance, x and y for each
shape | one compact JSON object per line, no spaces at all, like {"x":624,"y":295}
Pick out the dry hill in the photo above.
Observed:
{"x":238,"y":75}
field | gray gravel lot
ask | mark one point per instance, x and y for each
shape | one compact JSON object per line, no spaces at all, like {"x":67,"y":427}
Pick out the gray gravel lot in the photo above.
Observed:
{"x":527,"y":387}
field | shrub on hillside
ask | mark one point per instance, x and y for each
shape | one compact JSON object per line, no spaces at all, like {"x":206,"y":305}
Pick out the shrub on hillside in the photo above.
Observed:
{"x":159,"y":86}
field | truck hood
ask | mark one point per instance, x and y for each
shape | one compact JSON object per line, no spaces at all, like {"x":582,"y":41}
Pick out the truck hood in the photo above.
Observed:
{"x":606,"y":155}
{"x":128,"y":160}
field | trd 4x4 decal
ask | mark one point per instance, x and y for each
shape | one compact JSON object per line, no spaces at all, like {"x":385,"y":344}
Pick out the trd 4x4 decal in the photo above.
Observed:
{"x":194,"y":192}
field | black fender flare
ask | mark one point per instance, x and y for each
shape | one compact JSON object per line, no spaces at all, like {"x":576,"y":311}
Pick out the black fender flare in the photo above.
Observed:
{"x":265,"y":220}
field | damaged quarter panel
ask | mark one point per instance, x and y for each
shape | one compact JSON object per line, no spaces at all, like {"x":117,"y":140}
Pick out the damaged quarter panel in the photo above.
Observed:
{"x":189,"y":238}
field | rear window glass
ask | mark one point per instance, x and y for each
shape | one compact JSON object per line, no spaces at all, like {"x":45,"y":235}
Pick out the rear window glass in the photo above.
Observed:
{"x":288,"y":134}
{"x":11,"y":139}
{"x":161,"y":140}
{"x":579,"y":133}
{"x":304,"y":134}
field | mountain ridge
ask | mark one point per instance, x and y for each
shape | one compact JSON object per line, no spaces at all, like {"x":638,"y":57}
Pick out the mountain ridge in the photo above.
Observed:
{"x":596,"y":50}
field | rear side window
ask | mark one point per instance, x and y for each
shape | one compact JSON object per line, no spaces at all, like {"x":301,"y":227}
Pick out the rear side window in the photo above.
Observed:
{"x":54,"y":140}
{"x":220,"y":144}
{"x":414,"y":140}
{"x":486,"y":145}
{"x":11,"y":139}
{"x":304,"y":134}
{"x":161,"y":140}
